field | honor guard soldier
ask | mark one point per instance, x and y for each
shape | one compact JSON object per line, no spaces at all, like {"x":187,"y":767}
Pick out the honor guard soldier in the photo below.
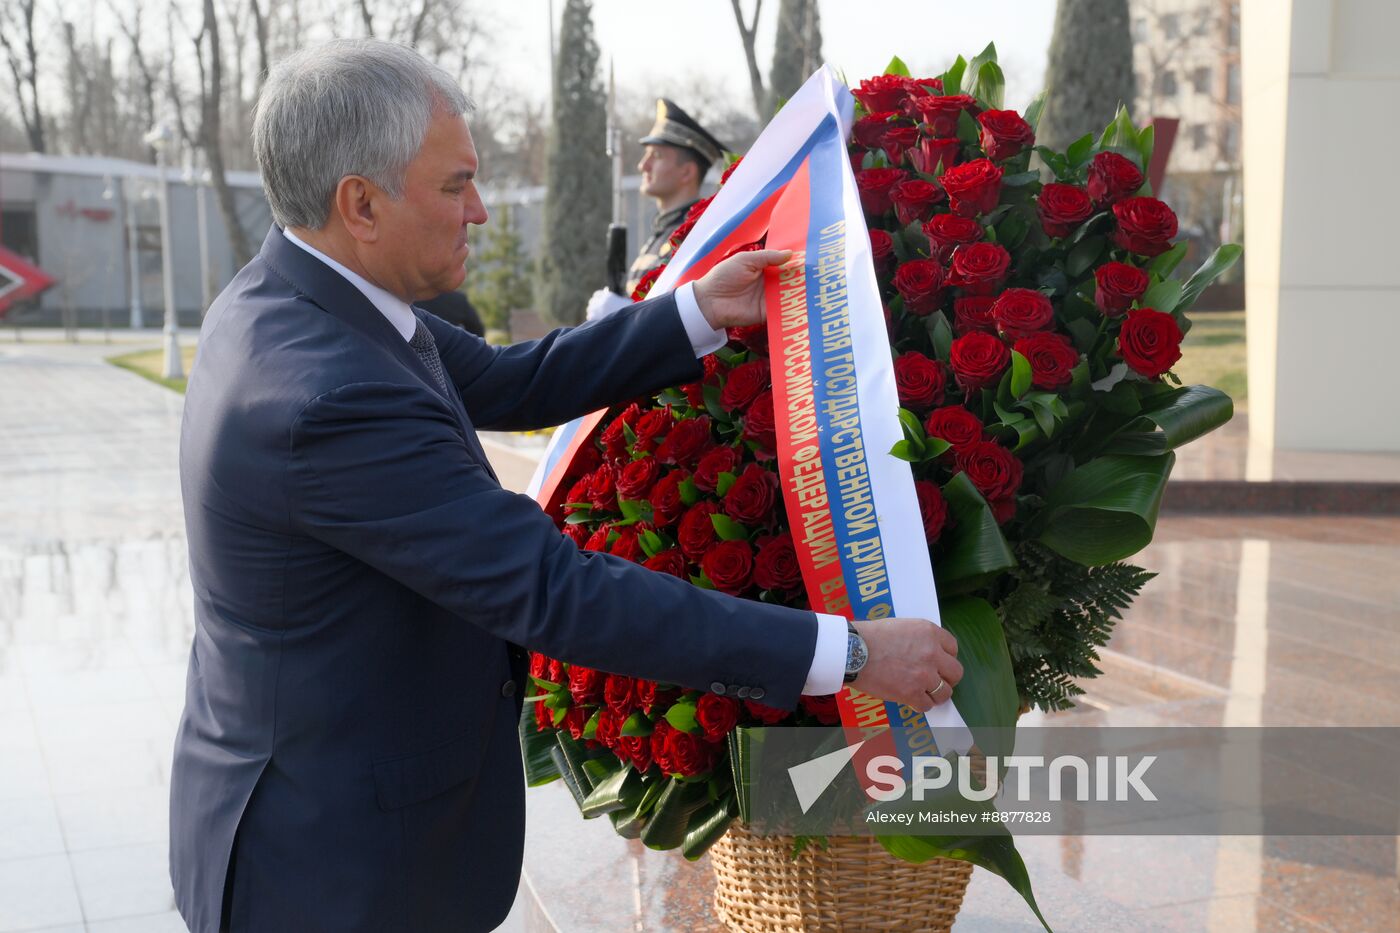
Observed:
{"x":677,"y":154}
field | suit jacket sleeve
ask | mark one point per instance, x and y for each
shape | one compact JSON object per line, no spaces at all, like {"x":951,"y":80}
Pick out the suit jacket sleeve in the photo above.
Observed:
{"x":570,"y":371}
{"x":380,"y":471}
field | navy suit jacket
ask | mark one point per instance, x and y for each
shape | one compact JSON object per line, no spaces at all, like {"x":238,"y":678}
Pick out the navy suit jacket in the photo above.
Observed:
{"x":348,"y":757}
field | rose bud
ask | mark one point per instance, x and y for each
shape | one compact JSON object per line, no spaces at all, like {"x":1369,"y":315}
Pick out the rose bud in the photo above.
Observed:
{"x":914,"y":200}
{"x":1004,"y":133}
{"x":974,"y":312}
{"x":751,"y":498}
{"x":1112,"y":178}
{"x":898,"y":139}
{"x":954,"y":424}
{"x":1062,"y":208}
{"x":882,"y":92}
{"x":874,"y":185}
{"x":933,"y":509}
{"x":722,"y":459}
{"x":946,"y":232}
{"x":973,"y":187}
{"x":1117,"y":285}
{"x":1145,"y":226}
{"x":992,"y":468}
{"x":670,"y":561}
{"x":1052,"y":358}
{"x":940,"y":112}
{"x":744,"y":384}
{"x":1020,"y":312}
{"x":920,"y":381}
{"x":869,"y":131}
{"x":881,"y":249}
{"x":729,"y":566}
{"x":978,"y":360}
{"x":920,"y":283}
{"x":775,"y":567}
{"x":932,"y":153}
{"x":979,"y":268}
{"x":665,"y":498}
{"x":637,"y":478}
{"x":1150,"y":342}
{"x":716,"y":715}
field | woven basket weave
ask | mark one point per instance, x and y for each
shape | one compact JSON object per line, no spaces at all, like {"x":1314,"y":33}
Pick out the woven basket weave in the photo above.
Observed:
{"x":852,"y":885}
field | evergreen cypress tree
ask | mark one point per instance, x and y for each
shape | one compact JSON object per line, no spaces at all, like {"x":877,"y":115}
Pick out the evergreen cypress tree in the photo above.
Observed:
{"x":1089,"y":71}
{"x":502,"y":283}
{"x":579,"y":200}
{"x":797,"y":48}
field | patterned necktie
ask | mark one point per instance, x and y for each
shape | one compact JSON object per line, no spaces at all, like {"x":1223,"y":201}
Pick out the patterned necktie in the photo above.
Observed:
{"x":426,"y":347}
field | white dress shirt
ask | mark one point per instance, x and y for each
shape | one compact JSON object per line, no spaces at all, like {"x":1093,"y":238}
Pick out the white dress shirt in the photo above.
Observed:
{"x":829,"y":660}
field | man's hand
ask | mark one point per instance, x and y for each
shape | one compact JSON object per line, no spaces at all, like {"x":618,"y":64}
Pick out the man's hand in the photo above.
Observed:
{"x":731,"y":294}
{"x":908,"y":659}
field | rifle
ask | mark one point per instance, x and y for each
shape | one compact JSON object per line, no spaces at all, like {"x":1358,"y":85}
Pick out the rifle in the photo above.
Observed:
{"x":616,"y":269}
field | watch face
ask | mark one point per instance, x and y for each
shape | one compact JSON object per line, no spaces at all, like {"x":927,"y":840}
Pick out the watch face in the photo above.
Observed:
{"x":856,"y":654}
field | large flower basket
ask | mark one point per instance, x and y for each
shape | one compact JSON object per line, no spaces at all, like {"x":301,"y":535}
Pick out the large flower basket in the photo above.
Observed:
{"x":849,"y":884}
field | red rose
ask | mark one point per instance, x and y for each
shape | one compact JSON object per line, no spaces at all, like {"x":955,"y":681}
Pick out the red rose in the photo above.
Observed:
{"x":744,"y":384}
{"x":914,"y":200}
{"x":1150,"y":342}
{"x":626,"y":545}
{"x":730,"y":171}
{"x":776,"y":567}
{"x":588,"y":460}
{"x":665,"y":498}
{"x":768,"y":715}
{"x":575,"y":720}
{"x":759,"y":426}
{"x":619,"y":695}
{"x":869,"y":131}
{"x":609,"y":728}
{"x":875,"y":184}
{"x":637,"y":749}
{"x":601,"y":489}
{"x":680,"y":233}
{"x":698,"y":208}
{"x":978,"y":360}
{"x":558,"y":672}
{"x":690,"y":755}
{"x":614,"y":438}
{"x":578,"y":496}
{"x":714,"y":370}
{"x":974,"y":312}
{"x":992,"y":468}
{"x":1117,"y":285}
{"x":940,"y":112}
{"x":824,"y":708}
{"x":1003,"y":510}
{"x":923,"y":87}
{"x":585,"y":684}
{"x":920,"y":283}
{"x":979,"y":268}
{"x":544,"y":718}
{"x":696,"y":532}
{"x":1062,"y":208}
{"x":946,"y":232}
{"x":729,"y":565}
{"x":637,"y":478}
{"x":716,"y":715}
{"x":750,"y":499}
{"x":1112,"y":177}
{"x":598,"y":541}
{"x":1004,"y":133}
{"x":539,"y":665}
{"x":651,"y":426}
{"x":881,"y":248}
{"x":722,"y":459}
{"x":755,"y":337}
{"x":882,"y":92}
{"x":973,"y":187}
{"x":660,"y":732}
{"x":933,"y":509}
{"x":645,"y":283}
{"x":577,"y":534}
{"x":933,"y":153}
{"x":1052,"y":358}
{"x":1020,"y":312}
{"x":897,"y":140}
{"x":1145,"y":226}
{"x":920,"y":381}
{"x":686,"y":442}
{"x":954,"y":424}
{"x":650,"y":696}
{"x":670,"y":561}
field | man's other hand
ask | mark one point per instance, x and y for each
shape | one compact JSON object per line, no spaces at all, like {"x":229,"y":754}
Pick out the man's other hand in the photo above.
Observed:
{"x":604,"y":302}
{"x":912,"y":661}
{"x":731,"y":294}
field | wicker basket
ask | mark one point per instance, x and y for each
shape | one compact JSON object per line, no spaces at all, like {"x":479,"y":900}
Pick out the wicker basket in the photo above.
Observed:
{"x":852,"y":885}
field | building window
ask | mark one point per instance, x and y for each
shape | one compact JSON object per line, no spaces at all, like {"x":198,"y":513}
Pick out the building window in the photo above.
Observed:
{"x":19,"y":232}
{"x":1230,"y":141}
{"x":1232,"y":83}
{"x":1200,"y":80}
{"x":1199,"y":136}
{"x":1171,"y":26}
{"x":1168,"y":84}
{"x":1234,"y":27}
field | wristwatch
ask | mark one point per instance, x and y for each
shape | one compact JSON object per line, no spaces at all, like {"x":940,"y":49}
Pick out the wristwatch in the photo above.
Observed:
{"x":856,"y":654}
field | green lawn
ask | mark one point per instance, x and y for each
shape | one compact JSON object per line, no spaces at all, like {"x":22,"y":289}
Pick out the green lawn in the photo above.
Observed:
{"x":1213,"y":354}
{"x":151,"y":363}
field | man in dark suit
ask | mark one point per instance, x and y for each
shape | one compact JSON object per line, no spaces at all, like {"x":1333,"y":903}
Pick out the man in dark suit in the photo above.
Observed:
{"x":364,"y":589}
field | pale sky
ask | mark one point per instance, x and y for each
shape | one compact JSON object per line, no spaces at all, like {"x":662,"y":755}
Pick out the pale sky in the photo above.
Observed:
{"x":650,"y":38}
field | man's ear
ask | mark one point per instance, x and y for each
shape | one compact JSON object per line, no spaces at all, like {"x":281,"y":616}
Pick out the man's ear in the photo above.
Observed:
{"x":355,"y":198}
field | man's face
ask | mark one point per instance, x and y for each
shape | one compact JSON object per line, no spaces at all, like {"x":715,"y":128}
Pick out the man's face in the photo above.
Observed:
{"x":421,"y":250}
{"x":664,"y":171}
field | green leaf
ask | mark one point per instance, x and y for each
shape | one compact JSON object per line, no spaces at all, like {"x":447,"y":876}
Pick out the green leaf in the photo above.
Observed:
{"x":1172,"y":420}
{"x":670,"y":820}
{"x":728,"y":529}
{"x":940,"y":335}
{"x":997,"y":854}
{"x":535,"y":748}
{"x":905,"y":451}
{"x":1084,"y":255}
{"x":631,"y":509}
{"x":606,"y":796}
{"x":897,"y":67}
{"x":1145,"y":140}
{"x":1106,"y":510}
{"x":707,"y":825}
{"x":1020,"y":179}
{"x":682,"y":715}
{"x":1020,"y":374}
{"x":1080,"y":150}
{"x":1035,"y":109}
{"x":651,"y":543}
{"x":712,"y":405}
{"x":934,"y":447}
{"x":590,"y":728}
{"x":976,"y":547}
{"x":913,"y":427}
{"x":990,"y":86}
{"x":968,"y":129}
{"x":1164,"y":264}
{"x":579,"y":517}
{"x":970,"y":76}
{"x":1220,"y":260}
{"x":953,"y":78}
{"x":723,"y":482}
{"x":986,"y":696}
{"x":1164,"y":296}
{"x":690,"y":493}
{"x":637,"y":724}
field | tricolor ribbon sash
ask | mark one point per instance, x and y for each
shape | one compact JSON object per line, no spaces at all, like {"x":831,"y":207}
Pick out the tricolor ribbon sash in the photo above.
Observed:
{"x":851,"y":506}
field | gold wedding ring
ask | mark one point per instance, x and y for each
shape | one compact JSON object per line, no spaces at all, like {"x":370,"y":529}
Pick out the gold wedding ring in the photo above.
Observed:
{"x":932,"y":694}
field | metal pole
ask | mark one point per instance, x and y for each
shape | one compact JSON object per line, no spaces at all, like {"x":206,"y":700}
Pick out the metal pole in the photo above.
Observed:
{"x":174,"y":365}
{"x":206,"y":286}
{"x":133,"y":248}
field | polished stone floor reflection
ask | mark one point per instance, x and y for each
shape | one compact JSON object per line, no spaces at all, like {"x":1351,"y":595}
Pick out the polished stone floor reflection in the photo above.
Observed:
{"x":1252,"y":620}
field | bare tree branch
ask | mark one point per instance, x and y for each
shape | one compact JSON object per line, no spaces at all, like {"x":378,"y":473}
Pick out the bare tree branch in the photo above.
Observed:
{"x":24,"y":68}
{"x":747,"y":34}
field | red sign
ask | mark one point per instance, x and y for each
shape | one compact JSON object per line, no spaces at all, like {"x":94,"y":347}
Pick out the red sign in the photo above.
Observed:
{"x":19,"y":280}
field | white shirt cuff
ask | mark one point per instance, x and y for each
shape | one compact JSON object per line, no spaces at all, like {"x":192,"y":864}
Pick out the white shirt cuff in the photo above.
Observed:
{"x":704,"y":339}
{"x":828,"y":671}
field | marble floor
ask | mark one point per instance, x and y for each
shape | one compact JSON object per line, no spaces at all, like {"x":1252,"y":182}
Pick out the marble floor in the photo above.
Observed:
{"x":1252,"y":620}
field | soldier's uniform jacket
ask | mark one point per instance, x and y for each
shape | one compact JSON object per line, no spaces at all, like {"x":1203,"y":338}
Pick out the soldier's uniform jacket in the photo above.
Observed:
{"x":656,"y":251}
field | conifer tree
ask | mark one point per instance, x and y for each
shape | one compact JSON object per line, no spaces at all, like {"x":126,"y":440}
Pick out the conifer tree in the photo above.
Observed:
{"x":797,"y":48}
{"x":579,"y":197}
{"x":502,"y":283}
{"x":1089,"y":71}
